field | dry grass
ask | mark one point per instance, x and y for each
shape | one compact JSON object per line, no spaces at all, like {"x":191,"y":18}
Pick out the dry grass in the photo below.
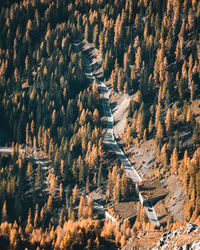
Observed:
{"x":119,"y":104}
{"x":151,"y":239}
{"x":123,"y":210}
{"x":162,"y":212}
{"x":143,"y":156}
{"x":151,"y":188}
{"x":147,"y":241}
{"x":174,"y":201}
{"x":187,"y":239}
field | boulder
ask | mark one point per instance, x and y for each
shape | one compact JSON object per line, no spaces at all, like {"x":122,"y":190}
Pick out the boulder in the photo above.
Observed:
{"x":166,"y":233}
{"x":190,"y":227}
{"x":197,"y":230}
{"x":195,"y":245}
{"x":161,"y":242}
{"x":174,"y":233}
{"x":186,"y":247}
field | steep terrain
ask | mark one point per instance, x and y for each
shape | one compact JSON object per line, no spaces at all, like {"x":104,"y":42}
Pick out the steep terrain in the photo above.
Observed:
{"x":185,"y":237}
{"x":115,"y":123}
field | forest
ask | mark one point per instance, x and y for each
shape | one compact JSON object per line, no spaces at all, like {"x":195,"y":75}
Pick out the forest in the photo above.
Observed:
{"x":52,"y":116}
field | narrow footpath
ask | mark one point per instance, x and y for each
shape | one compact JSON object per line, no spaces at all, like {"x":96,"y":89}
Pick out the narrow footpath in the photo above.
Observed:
{"x":91,"y":69}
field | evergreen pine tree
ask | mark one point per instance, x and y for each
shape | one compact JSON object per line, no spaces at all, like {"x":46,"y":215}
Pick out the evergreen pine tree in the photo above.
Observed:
{"x":99,"y":177}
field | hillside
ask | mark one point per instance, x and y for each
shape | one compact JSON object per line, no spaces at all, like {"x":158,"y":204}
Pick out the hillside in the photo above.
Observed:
{"x":99,"y":110}
{"x":185,"y":237}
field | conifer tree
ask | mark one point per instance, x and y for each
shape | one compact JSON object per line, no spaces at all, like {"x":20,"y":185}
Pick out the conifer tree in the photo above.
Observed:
{"x":159,"y":133}
{"x":49,"y":204}
{"x":4,"y":212}
{"x":186,"y":159}
{"x":61,"y":191}
{"x":140,"y":125}
{"x":36,"y":217}
{"x":168,"y":122}
{"x":138,"y":97}
{"x":158,"y":115}
{"x":117,"y":189}
{"x":125,"y":88}
{"x":14,"y":241}
{"x":87,"y":36}
{"x":87,"y":186}
{"x":192,"y":91}
{"x":138,"y":59}
{"x":119,"y":81}
{"x":29,"y":219}
{"x":150,"y":127}
{"x":164,"y":157}
{"x":195,"y":135}
{"x":61,"y":218}
{"x":82,"y":173}
{"x":124,"y":186}
{"x":99,"y":177}
{"x":95,"y":34}
{"x":81,"y":207}
{"x":96,"y":116}
{"x":174,"y":161}
{"x":75,"y":193}
{"x":189,"y":115}
{"x":27,"y":134}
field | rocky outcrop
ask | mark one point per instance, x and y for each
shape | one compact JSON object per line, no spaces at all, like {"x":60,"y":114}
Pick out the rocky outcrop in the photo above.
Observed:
{"x":169,"y":239}
{"x":184,"y":238}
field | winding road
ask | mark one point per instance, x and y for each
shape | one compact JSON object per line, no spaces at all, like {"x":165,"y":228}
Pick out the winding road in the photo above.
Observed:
{"x":90,"y":66}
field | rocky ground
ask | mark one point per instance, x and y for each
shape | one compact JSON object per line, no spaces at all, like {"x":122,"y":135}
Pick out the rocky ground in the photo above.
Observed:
{"x":143,"y":157}
{"x":175,"y":199}
{"x":119,"y":103}
{"x":184,"y":238}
